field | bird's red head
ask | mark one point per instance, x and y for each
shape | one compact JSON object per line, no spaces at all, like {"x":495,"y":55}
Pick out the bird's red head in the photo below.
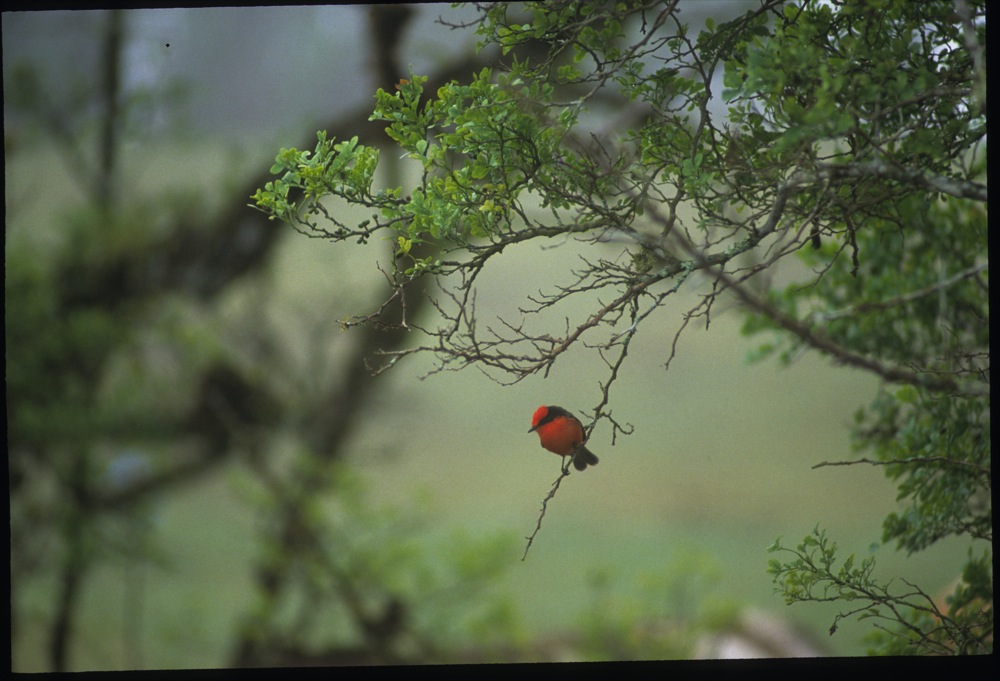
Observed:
{"x":538,"y":417}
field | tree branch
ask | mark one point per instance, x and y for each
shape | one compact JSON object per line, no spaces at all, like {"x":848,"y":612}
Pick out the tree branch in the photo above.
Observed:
{"x":874,"y":306}
{"x":962,"y":189}
{"x":545,"y":502}
{"x":915,"y":461}
{"x":820,"y":341}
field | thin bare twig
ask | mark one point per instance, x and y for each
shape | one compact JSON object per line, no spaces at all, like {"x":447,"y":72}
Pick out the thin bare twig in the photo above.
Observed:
{"x":545,"y":502}
{"x":914,"y":460}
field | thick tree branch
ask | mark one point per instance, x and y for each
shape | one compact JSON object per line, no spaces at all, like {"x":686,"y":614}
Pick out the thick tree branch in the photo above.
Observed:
{"x":962,"y":189}
{"x":877,"y":305}
{"x":820,"y":341}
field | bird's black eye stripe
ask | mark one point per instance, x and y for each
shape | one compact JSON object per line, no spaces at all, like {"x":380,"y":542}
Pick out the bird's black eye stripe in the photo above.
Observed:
{"x":553,"y":413}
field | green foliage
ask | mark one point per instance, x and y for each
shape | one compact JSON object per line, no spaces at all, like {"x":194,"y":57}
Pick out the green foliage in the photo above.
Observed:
{"x":333,"y":167}
{"x":477,"y":148}
{"x":904,"y":285}
{"x":852,"y":139}
{"x":908,"y":621}
{"x":938,"y":452}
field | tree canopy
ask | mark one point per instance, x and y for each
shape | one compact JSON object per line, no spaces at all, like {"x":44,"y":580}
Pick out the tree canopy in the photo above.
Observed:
{"x":841,"y":143}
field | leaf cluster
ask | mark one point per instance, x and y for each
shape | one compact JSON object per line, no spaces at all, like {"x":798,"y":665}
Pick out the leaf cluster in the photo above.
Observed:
{"x":907,"y":620}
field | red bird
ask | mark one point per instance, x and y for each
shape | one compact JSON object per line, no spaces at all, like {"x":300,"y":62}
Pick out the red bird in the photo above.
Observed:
{"x":562,"y":433}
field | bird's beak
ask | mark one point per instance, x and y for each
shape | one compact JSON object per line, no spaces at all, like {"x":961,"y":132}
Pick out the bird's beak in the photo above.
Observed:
{"x":532,"y":429}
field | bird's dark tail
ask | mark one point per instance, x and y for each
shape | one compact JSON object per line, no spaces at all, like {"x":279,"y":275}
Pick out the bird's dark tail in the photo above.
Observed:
{"x":583,"y":458}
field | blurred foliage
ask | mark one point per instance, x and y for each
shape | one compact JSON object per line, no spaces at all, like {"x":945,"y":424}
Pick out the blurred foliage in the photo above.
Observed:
{"x":853,"y":139}
{"x":664,"y":618}
{"x":349,"y":582}
{"x":106,"y":353}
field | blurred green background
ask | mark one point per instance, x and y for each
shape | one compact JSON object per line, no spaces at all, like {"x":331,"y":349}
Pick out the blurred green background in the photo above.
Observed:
{"x":673,"y":525}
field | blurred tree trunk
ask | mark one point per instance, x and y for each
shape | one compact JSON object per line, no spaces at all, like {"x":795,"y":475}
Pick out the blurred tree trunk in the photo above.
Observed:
{"x":198,"y":257}
{"x":328,"y":428}
{"x":76,"y":561}
{"x":111,"y":69}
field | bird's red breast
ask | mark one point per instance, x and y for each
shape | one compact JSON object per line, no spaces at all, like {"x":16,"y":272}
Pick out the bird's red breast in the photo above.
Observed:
{"x":559,"y":431}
